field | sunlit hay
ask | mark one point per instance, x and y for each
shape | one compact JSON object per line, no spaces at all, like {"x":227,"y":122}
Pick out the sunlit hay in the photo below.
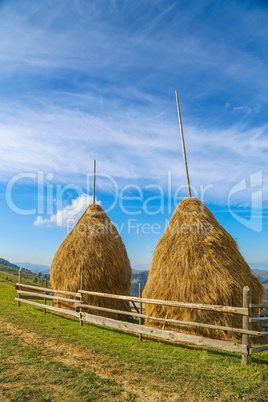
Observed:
{"x":95,"y":248}
{"x":197,"y":261}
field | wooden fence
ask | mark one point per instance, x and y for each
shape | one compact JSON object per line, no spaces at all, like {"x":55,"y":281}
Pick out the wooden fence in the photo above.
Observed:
{"x":26,"y":292}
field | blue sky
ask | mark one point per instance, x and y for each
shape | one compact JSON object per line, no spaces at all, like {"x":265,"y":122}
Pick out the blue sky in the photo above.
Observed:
{"x":83,"y":80}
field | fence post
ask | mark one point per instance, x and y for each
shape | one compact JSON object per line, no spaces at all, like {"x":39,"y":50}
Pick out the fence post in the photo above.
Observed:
{"x":140,"y":319}
{"x":246,"y":340}
{"x":45,"y":300}
{"x":81,"y":297}
{"x":18,"y":303}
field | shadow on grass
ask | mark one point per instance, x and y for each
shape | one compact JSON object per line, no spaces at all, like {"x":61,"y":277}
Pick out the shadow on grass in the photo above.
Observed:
{"x":260,"y":360}
{"x":233,"y":356}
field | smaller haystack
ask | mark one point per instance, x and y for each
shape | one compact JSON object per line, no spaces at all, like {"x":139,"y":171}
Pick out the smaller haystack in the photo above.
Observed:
{"x":197,"y":261}
{"x":95,"y":248}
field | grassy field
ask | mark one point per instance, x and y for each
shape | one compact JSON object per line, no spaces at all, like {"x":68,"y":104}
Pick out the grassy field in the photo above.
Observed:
{"x":52,"y":358}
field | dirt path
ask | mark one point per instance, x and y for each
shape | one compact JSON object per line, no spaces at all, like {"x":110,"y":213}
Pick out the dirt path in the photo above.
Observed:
{"x":73,"y":355}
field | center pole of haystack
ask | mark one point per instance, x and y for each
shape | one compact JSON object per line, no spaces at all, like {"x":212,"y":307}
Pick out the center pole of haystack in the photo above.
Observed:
{"x":183,"y":147}
{"x":94,"y":183}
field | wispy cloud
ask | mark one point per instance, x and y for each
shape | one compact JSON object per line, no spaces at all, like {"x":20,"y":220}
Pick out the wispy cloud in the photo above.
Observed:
{"x":83,"y":81}
{"x":243,"y":109}
{"x":69,"y":215}
{"x":106,"y":43}
{"x":130,"y":147}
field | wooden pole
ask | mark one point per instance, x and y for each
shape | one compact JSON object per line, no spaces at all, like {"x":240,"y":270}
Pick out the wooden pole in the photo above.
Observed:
{"x":20,"y":271}
{"x":140,"y":319}
{"x":81,"y":297}
{"x":94,"y":183}
{"x":246,"y":339}
{"x":45,"y":300}
{"x":183,"y":147}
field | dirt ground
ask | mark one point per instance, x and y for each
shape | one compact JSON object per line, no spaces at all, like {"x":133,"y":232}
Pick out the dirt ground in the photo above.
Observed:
{"x":72,"y":355}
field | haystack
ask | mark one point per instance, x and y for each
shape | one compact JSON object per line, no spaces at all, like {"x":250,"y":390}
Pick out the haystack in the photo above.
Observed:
{"x":197,"y":261}
{"x":95,"y":248}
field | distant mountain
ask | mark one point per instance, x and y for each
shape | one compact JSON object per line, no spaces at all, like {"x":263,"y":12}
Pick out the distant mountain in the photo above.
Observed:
{"x":263,"y":276}
{"x":27,"y":267}
{"x":10,"y":264}
{"x":138,"y":277}
{"x":44,"y":269}
{"x":259,"y":266}
{"x":6,"y":262}
{"x":138,"y":270}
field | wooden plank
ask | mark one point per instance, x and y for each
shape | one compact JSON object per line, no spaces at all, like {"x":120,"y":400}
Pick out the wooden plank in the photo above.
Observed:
{"x":254,"y":319}
{"x":109,"y":310}
{"x":59,"y":310}
{"x":167,"y":335}
{"x":246,"y":341}
{"x":82,"y":276}
{"x":18,"y":303}
{"x":135,"y":307}
{"x":47,"y":296}
{"x":263,"y":305}
{"x":30,"y":297}
{"x":169,"y":320}
{"x":45,"y":300}
{"x":258,"y":349}
{"x":140,"y":319}
{"x":63,"y":292}
{"x":226,"y":309}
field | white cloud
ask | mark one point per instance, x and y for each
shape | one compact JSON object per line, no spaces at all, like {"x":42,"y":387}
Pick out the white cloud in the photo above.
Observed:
{"x":69,"y":215}
{"x":70,"y":71}
{"x":131,"y":147}
{"x":243,"y":109}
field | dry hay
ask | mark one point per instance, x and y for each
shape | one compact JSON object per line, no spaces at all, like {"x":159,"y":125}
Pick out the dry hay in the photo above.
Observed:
{"x":95,"y":248}
{"x":197,"y":260}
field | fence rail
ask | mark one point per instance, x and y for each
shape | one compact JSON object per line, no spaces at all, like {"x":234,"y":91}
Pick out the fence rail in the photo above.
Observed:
{"x":44,"y":293}
{"x":226,"y":309}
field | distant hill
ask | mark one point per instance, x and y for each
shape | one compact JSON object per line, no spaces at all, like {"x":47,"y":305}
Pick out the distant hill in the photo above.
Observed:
{"x":9,"y":274}
{"x":6,"y":262}
{"x":44,"y":269}
{"x":259,"y":266}
{"x":263,"y":276}
{"x":10,"y":264}
{"x":138,"y":277}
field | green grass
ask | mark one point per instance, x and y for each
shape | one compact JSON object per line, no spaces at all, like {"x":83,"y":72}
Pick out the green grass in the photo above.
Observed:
{"x":35,"y":369}
{"x":205,"y":373}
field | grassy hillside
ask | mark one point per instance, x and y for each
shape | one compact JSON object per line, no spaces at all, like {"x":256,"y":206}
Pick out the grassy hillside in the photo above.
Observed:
{"x":52,"y":358}
{"x":10,"y":275}
{"x":9,"y":264}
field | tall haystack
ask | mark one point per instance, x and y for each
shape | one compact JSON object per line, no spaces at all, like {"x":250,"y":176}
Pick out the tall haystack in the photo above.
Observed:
{"x":95,"y":248}
{"x":197,"y":261}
